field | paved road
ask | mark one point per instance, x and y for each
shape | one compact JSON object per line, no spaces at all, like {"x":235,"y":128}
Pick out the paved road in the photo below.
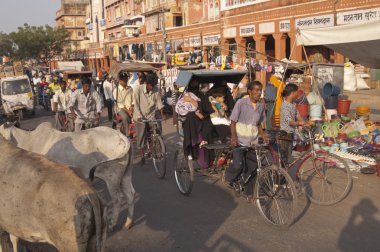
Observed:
{"x":213,"y":219}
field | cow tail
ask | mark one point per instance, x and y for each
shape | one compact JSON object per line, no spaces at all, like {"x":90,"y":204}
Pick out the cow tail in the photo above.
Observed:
{"x":100,"y":224}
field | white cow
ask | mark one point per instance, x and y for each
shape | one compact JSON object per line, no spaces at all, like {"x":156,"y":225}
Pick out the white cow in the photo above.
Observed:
{"x":44,"y":201}
{"x":101,"y":152}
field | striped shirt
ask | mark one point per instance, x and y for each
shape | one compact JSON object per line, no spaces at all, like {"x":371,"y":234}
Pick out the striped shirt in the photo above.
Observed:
{"x":247,"y":120}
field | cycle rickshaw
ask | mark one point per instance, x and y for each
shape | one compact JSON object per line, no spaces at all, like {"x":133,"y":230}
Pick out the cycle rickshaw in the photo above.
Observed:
{"x":274,"y":191}
{"x":155,"y":148}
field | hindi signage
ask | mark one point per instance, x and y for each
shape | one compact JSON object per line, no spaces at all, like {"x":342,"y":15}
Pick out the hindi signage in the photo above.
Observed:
{"x":229,"y":32}
{"x":284,"y":25}
{"x":247,"y":30}
{"x":195,"y":41}
{"x":211,"y":40}
{"x":266,"y":28}
{"x":357,"y":16}
{"x":315,"y":22}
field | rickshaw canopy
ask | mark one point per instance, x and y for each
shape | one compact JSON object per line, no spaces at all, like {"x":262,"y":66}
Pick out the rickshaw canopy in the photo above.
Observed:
{"x":209,"y":76}
{"x":118,"y":68}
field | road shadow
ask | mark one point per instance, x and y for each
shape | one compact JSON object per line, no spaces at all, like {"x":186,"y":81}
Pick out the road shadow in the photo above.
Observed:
{"x":362,"y":230}
{"x":187,"y":222}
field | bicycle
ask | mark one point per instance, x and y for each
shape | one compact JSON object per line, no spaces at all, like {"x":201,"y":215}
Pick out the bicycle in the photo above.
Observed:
{"x":273,"y":189}
{"x":325,"y":178}
{"x":154,"y":147}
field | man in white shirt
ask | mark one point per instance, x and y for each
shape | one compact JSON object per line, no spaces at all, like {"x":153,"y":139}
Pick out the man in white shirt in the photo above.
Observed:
{"x":85,"y":105}
{"x":61,"y":100}
{"x":124,"y":101}
{"x":108,"y":90}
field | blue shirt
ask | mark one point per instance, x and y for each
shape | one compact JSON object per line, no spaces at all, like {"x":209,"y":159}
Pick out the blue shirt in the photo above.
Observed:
{"x":247,"y":120}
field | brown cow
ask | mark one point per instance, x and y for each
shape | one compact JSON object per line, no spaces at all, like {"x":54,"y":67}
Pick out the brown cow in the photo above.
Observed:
{"x":44,"y":201}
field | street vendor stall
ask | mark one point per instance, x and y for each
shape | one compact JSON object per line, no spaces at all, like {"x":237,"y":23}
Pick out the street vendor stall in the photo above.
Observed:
{"x":353,"y":137}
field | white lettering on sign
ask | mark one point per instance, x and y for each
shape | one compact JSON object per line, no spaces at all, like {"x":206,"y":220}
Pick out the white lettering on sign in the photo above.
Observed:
{"x":211,"y":40}
{"x":357,"y":16}
{"x":229,"y":32}
{"x":284,"y":26}
{"x":315,"y":22}
{"x":266,"y":28}
{"x":247,"y":30}
{"x":195,"y":41}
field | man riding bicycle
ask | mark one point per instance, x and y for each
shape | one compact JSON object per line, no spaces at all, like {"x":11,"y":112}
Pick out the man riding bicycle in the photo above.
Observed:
{"x":147,"y":100}
{"x":61,"y":101}
{"x":124,"y":101}
{"x":246,"y":119}
{"x":85,"y":106}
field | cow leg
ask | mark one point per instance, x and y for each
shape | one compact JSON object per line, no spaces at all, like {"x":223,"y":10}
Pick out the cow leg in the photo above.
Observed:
{"x":110,"y":174}
{"x":129,"y":193}
{"x":14,"y":241}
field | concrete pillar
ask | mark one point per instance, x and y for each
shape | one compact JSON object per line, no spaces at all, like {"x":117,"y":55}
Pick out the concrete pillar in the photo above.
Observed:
{"x":297,"y":50}
{"x":280,"y":45}
{"x":241,"y":50}
{"x":224,"y":47}
{"x":260,"y":47}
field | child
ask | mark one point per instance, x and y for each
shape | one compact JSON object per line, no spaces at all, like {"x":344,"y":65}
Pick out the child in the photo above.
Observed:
{"x":290,"y":119}
{"x":187,"y":103}
{"x":219,"y":116}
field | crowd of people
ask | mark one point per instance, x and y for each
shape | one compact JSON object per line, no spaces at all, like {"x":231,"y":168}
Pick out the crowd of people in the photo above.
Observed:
{"x":232,"y":114}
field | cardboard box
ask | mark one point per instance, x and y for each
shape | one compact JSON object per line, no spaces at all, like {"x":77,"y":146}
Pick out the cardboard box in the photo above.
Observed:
{"x":17,"y":65}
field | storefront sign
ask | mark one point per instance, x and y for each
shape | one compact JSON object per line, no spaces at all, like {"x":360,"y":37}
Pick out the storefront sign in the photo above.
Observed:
{"x":195,"y":41}
{"x":211,"y":40}
{"x":357,"y":16}
{"x":230,"y":4}
{"x":181,"y":58}
{"x":266,"y":28}
{"x":315,"y":22}
{"x":284,"y":25}
{"x":186,"y":43}
{"x":229,"y":32}
{"x":247,"y":30}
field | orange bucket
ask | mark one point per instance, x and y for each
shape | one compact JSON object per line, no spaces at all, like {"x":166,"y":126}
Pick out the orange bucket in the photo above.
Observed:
{"x":344,"y":107}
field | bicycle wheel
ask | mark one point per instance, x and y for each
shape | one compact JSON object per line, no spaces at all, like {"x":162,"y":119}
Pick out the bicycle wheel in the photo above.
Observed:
{"x":183,"y":173}
{"x":326,"y":178}
{"x":158,"y":153}
{"x":275,"y":196}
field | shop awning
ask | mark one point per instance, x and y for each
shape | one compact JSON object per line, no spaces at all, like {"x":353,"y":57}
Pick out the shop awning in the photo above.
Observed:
{"x":117,"y":68}
{"x":209,"y":76}
{"x":359,"y":42}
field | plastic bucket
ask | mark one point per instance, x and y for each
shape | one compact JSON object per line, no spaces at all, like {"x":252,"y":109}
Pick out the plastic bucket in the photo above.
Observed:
{"x":315,"y":111}
{"x":331,"y":102}
{"x":344,"y":107}
{"x":303,"y":109}
{"x":330,"y":89}
{"x":330,"y":112}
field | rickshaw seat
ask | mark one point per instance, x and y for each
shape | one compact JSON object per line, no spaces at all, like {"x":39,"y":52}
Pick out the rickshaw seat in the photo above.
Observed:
{"x":217,"y":146}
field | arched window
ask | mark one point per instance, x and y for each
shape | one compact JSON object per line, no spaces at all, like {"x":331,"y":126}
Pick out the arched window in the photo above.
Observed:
{"x":211,"y":10}
{"x":216,"y":9}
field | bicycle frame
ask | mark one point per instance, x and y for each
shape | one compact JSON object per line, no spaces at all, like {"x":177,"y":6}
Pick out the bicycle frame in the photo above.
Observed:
{"x":303,"y":157}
